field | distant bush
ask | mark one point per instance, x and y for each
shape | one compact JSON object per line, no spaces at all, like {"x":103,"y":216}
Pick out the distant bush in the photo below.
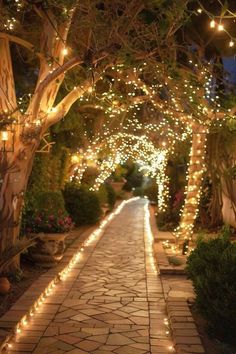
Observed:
{"x":138,"y":192}
{"x":82,"y":204}
{"x":212,"y":269}
{"x":102,"y":195}
{"x":167,"y":220}
{"x":111,"y":195}
{"x":151,"y":192}
{"x":121,"y":195}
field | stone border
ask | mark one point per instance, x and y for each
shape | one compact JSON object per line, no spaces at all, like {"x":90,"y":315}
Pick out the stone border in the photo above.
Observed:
{"x":184,"y":331}
{"x":163,"y":264}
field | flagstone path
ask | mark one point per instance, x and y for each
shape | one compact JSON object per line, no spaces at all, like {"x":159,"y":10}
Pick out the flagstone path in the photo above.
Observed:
{"x":112,"y":302}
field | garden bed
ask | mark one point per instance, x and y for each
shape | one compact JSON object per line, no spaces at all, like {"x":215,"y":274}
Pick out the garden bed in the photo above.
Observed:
{"x":30,"y":272}
{"x":211,"y":345}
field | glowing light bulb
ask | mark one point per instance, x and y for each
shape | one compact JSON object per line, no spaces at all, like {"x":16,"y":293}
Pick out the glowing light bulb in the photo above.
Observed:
{"x":231,"y":43}
{"x":212,"y":24}
{"x":220,"y":27}
{"x":4,"y":135}
{"x":65,"y":51}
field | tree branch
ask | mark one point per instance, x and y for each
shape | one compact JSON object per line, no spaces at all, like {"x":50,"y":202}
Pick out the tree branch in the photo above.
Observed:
{"x":21,"y":42}
{"x":64,"y":106}
{"x":50,"y":78}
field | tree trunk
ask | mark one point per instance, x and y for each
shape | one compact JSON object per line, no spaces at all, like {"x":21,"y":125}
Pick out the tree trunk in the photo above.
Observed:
{"x":15,"y":170}
{"x":193,"y":190}
{"x":229,"y":198}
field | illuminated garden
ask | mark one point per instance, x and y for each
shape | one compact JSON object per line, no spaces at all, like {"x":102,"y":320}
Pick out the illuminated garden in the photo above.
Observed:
{"x":118,"y":176}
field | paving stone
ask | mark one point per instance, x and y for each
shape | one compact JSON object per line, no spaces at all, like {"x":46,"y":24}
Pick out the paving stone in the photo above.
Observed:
{"x":118,"y":339}
{"x":112,"y":302}
{"x":88,"y":345}
{"x":187,"y":340}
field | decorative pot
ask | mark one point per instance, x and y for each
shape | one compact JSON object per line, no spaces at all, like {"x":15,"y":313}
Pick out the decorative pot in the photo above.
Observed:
{"x":4,"y":285}
{"x":49,"y":249}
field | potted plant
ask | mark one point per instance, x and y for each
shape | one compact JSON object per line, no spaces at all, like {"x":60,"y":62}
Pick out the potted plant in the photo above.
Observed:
{"x":51,"y":223}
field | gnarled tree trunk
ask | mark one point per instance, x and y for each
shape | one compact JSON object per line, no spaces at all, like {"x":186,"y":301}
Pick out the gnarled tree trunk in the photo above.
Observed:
{"x":15,"y":171}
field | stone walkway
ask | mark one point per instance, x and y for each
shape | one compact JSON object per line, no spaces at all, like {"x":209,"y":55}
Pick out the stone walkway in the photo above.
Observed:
{"x":112,"y":302}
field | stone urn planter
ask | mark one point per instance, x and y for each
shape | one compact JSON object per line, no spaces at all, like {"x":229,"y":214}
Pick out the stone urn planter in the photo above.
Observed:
{"x":4,"y":285}
{"x":49,"y":249}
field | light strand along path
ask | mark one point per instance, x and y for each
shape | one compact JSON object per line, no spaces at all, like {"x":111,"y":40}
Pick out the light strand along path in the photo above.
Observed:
{"x":112,"y":302}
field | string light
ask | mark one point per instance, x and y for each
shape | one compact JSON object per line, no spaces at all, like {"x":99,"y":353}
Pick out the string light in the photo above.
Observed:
{"x":212,"y":24}
{"x":62,"y":275}
{"x":149,"y":240}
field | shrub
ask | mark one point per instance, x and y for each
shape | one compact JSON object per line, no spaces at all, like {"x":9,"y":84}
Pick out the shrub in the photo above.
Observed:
{"x":46,"y":213}
{"x":82,"y":204}
{"x":212,"y":269}
{"x":111,"y":195}
{"x":175,"y":261}
{"x":151,"y":192}
{"x":102,"y":195}
{"x":138,"y":192}
{"x":50,"y":202}
{"x":167,"y":220}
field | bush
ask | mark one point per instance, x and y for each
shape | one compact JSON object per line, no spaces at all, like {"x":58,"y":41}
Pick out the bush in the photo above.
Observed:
{"x":82,"y":204}
{"x":46,"y":213}
{"x":50,"y":202}
{"x":111,"y":195}
{"x":151,"y":192}
{"x":212,"y":269}
{"x":102,"y":195}
{"x":138,"y":192}
{"x":167,"y":220}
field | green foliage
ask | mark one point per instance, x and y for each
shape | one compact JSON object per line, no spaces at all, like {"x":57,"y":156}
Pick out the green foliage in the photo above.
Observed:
{"x":102,"y":195}
{"x":133,"y":177}
{"x":49,"y":170}
{"x":168,"y":220}
{"x":111,"y":195}
{"x":138,"y":192}
{"x":107,"y":195}
{"x":82,"y":204}
{"x":151,"y":192}
{"x":47,"y":213}
{"x":175,"y":261}
{"x":212,"y":268}
{"x":50,"y":201}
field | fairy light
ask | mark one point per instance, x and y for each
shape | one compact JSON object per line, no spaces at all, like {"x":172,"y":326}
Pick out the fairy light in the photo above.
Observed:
{"x":193,"y":189}
{"x":149,"y":240}
{"x":212,"y":24}
{"x":65,"y":51}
